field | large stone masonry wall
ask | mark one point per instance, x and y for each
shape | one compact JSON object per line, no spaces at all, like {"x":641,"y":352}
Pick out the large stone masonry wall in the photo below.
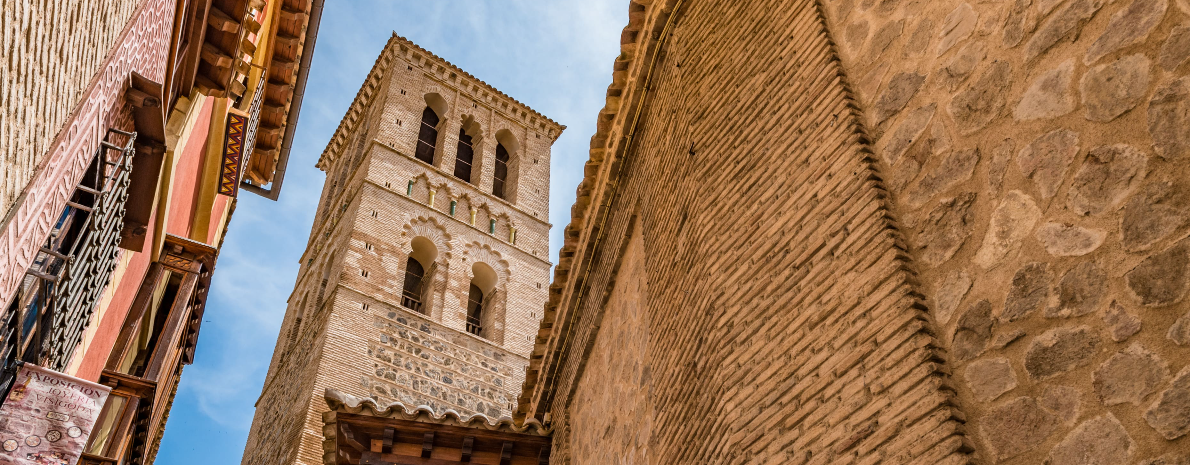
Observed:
{"x":782,"y":322}
{"x":51,"y":50}
{"x":418,"y":362}
{"x":1037,"y":151}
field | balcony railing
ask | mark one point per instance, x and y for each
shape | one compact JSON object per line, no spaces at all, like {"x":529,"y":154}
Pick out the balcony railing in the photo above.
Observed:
{"x":54,"y":304}
{"x":411,"y":301}
{"x":474,"y":326}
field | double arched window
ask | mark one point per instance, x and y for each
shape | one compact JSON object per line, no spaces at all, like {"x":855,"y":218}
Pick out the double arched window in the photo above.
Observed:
{"x":427,"y":136}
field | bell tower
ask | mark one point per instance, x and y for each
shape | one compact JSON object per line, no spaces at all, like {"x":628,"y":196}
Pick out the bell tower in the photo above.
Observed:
{"x":426,"y":270}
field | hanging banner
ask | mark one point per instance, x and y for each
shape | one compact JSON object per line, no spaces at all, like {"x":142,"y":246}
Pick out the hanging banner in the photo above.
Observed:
{"x":233,"y":153}
{"x":48,"y":417}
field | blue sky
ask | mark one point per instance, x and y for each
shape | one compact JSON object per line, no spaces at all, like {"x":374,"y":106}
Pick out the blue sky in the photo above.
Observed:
{"x":554,"y":55}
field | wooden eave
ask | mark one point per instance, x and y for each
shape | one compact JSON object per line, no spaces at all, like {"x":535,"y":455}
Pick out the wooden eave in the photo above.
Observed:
{"x":358,"y":431}
{"x":278,"y":87}
{"x":223,"y":47}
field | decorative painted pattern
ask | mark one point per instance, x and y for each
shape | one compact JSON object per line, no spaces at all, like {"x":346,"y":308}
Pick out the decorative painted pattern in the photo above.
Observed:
{"x":143,"y":48}
{"x":233,"y":154}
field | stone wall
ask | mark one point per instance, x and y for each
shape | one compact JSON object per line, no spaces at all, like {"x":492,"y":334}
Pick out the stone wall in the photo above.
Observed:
{"x":780,"y":322}
{"x":51,"y":51}
{"x":1037,"y":153}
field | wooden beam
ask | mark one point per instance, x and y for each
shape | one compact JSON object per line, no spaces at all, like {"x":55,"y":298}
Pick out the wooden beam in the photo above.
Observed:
{"x":222,"y":21}
{"x":285,"y":39}
{"x":128,"y":385}
{"x":468,"y":448}
{"x":543,"y":458}
{"x":271,"y":132}
{"x":389,"y":434}
{"x":292,"y":15}
{"x":349,"y":438}
{"x":216,"y":57}
{"x":506,"y":454}
{"x":427,"y":444}
{"x":238,"y":88}
{"x":209,"y":87}
{"x":413,"y":427}
{"x":251,"y":24}
{"x":281,"y":63}
{"x":246,"y":46}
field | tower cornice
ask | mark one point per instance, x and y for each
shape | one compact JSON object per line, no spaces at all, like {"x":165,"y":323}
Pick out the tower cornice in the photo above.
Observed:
{"x":443,"y":71}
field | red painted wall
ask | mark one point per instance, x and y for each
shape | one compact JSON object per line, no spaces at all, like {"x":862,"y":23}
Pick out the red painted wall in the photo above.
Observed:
{"x":181,"y":207}
{"x":187,"y":173}
{"x":117,"y":310}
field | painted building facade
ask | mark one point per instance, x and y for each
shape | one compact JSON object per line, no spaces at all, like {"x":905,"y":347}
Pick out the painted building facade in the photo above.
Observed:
{"x":426,"y":268}
{"x":130,"y":127}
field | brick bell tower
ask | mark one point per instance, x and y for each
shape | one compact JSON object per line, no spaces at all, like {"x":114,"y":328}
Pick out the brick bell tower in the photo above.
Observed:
{"x":427,"y":266}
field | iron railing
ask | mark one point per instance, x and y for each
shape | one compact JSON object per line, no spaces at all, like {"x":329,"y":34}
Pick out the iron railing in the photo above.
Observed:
{"x":54,"y":304}
{"x":253,"y":126}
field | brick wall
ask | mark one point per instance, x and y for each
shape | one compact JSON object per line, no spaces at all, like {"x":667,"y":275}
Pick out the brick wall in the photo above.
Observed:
{"x":51,"y":51}
{"x":1037,"y":153}
{"x":358,"y":337}
{"x":611,"y":416}
{"x":779,"y":323}
{"x":1031,"y":152}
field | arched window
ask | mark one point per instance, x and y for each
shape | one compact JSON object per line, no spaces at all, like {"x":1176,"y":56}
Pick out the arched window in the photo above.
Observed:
{"x":414,"y":274}
{"x":475,"y":310}
{"x":465,"y":157}
{"x":326,"y":277}
{"x":427,"y":136}
{"x":480,"y":296}
{"x":504,"y":184}
{"x":419,"y":276}
{"x":501,"y":176}
{"x":296,"y":326}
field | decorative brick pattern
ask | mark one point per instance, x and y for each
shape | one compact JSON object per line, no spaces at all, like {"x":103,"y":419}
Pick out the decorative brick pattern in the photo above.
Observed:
{"x":47,"y":176}
{"x":53,"y":50}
